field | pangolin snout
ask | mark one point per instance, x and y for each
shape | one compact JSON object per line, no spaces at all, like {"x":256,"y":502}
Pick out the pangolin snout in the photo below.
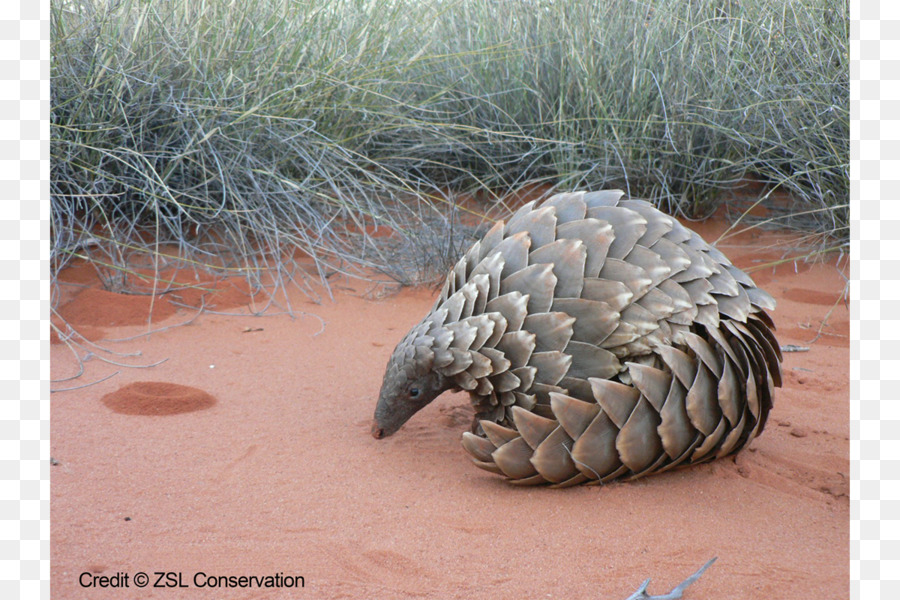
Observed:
{"x":378,"y":432}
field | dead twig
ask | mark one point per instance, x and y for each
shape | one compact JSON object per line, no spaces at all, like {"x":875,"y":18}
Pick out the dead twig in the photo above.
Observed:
{"x":820,"y":332}
{"x":677,"y":591}
{"x":78,"y":387}
{"x":77,"y":347}
{"x":793,"y":348}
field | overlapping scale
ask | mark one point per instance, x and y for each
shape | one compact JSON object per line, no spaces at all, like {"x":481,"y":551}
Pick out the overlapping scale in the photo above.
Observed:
{"x":601,"y":339}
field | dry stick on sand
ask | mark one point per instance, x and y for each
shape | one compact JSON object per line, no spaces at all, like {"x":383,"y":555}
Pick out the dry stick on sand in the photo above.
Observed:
{"x":69,"y":339}
{"x":820,"y":332}
{"x":677,"y":591}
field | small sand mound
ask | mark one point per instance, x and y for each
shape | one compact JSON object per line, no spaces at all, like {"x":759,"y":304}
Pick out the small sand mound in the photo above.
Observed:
{"x":222,"y":294}
{"x":157,"y":398}
{"x":99,"y":308}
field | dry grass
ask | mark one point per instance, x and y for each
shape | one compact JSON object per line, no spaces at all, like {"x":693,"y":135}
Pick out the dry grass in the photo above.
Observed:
{"x":231,"y":135}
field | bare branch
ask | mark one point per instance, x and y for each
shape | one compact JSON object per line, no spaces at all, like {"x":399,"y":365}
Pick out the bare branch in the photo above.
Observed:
{"x":675,"y":594}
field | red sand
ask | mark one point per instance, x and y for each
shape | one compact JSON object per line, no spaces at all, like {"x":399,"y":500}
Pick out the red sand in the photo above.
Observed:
{"x":281,"y":475}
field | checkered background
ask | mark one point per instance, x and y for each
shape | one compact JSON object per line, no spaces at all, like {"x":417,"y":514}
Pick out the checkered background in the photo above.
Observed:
{"x":875,"y":291}
{"x":24,"y":260}
{"x":24,"y":266}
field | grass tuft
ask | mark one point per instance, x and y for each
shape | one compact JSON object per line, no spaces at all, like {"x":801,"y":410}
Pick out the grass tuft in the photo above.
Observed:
{"x":286,"y":134}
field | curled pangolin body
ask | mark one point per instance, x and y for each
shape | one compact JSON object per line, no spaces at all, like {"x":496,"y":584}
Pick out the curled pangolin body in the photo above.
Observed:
{"x":599,"y":339}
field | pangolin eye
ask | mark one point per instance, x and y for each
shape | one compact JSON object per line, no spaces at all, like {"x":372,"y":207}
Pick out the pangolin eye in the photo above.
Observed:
{"x":413,"y":392}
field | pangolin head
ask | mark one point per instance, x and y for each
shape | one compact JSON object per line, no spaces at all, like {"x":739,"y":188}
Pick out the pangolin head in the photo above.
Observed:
{"x":410,"y":383}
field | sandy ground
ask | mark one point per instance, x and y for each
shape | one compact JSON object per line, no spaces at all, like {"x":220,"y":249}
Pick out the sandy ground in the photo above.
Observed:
{"x":273,"y":469}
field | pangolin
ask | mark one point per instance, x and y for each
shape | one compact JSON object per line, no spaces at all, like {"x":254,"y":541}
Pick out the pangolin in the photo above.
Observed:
{"x":599,"y":339}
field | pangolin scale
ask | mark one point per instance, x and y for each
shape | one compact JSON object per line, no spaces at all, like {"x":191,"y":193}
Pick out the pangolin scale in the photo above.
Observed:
{"x":599,"y":339}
